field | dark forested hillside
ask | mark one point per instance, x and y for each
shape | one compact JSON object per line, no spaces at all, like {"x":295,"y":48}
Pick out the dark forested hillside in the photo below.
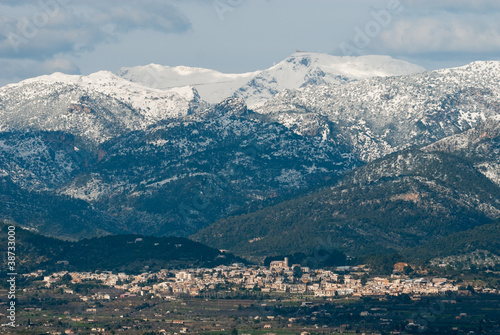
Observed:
{"x":132,"y":253}
{"x":484,"y":238}
{"x":402,"y":201}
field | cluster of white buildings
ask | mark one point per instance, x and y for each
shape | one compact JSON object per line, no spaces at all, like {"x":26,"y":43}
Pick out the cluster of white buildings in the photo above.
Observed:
{"x":387,"y":286}
{"x":280,"y":277}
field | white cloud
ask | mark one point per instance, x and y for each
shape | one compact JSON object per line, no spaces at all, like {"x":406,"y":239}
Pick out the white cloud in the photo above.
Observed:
{"x":59,"y":26}
{"x":35,"y":37}
{"x":18,"y":69}
{"x":441,"y":34}
{"x":100,"y":34}
{"x":60,"y":65}
{"x":454,"y":6}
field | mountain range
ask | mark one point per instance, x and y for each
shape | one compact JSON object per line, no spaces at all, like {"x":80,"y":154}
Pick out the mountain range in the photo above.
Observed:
{"x":299,"y":70}
{"x":370,"y":153}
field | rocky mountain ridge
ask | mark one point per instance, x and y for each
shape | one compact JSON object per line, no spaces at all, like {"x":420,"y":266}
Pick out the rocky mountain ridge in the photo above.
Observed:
{"x":379,"y":116}
{"x":95,"y":108}
{"x":298,"y":70}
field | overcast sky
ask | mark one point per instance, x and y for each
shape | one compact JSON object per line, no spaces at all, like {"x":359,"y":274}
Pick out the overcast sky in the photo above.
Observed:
{"x":80,"y":37}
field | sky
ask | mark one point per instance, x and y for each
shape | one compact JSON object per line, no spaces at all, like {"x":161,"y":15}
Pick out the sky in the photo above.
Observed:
{"x":81,"y":37}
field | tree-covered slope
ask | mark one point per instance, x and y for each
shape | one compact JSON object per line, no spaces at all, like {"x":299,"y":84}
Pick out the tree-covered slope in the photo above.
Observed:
{"x":401,"y":201}
{"x":482,"y":238}
{"x":54,"y":215}
{"x":118,"y":252}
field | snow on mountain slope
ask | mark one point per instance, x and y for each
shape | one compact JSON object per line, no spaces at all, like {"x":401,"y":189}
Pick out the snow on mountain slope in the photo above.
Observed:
{"x":306,"y":68}
{"x":300,"y":69}
{"x":151,"y":177}
{"x":213,"y":86}
{"x":383,"y":115}
{"x":98,"y":107}
{"x":481,"y":145}
{"x":41,"y":160}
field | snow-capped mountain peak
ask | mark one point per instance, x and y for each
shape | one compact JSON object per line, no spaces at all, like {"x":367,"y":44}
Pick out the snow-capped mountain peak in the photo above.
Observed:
{"x":306,"y":68}
{"x":300,"y":69}
{"x":381,"y":114}
{"x":361,"y":67}
{"x":213,"y":86}
{"x":98,"y":106}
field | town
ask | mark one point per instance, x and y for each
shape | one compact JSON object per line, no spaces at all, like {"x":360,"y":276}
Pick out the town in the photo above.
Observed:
{"x":280,"y":277}
{"x":250,"y":299}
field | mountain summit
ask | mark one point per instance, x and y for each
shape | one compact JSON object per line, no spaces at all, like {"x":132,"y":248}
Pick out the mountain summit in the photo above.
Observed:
{"x":300,"y":69}
{"x":97,"y":107}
